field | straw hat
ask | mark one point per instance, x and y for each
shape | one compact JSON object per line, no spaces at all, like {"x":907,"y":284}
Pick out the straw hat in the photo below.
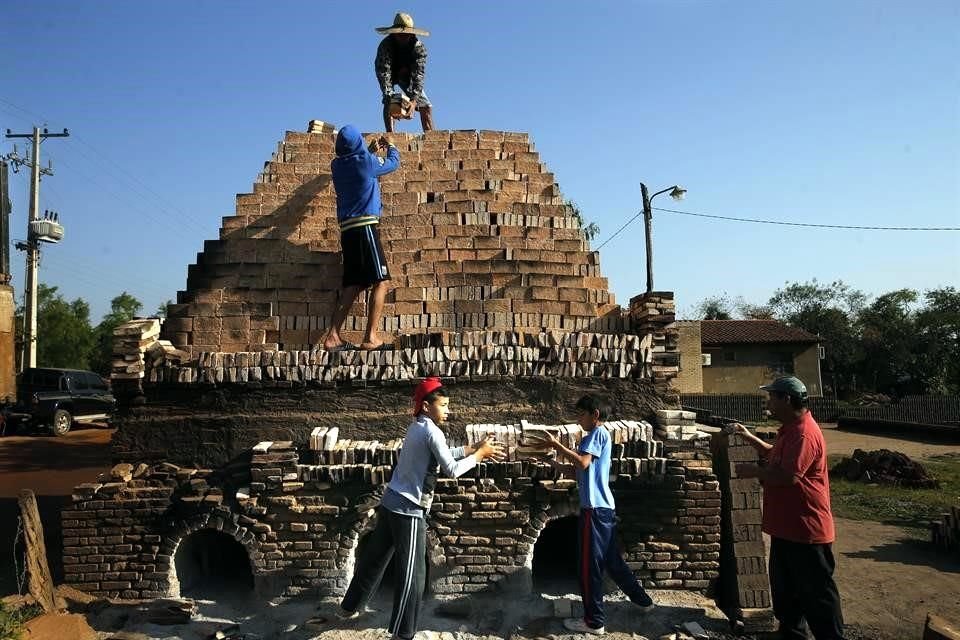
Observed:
{"x":402,"y":23}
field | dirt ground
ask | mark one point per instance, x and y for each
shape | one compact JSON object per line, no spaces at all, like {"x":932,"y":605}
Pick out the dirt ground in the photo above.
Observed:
{"x":888,"y":581}
{"x":51,"y":467}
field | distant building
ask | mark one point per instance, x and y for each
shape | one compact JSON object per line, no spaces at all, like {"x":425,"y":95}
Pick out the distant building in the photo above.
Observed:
{"x":738,"y":356}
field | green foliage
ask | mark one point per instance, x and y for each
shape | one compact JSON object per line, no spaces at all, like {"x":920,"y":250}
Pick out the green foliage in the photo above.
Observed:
{"x":828,"y":311}
{"x":64,"y":335}
{"x":715,"y":308}
{"x":898,"y":505}
{"x":161,"y":311}
{"x":591,"y":230}
{"x":887,"y":342}
{"x":12,"y":620}
{"x":938,"y":341}
{"x":723,"y":307}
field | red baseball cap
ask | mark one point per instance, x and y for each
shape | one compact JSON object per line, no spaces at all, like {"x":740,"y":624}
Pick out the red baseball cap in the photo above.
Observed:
{"x":425,"y":388}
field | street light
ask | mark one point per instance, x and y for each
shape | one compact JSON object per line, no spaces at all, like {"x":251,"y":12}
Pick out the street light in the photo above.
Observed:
{"x":676,"y":192}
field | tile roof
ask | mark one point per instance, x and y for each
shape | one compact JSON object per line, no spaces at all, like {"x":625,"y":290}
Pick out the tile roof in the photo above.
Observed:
{"x":717,"y":332}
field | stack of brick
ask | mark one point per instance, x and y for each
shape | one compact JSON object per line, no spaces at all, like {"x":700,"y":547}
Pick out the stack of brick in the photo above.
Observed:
{"x":138,"y":353}
{"x":654,"y":314}
{"x":474,"y":228}
{"x":744,"y":585}
{"x":489,"y":356}
{"x":945,"y":533}
{"x":130,"y":343}
{"x":300,"y":524}
{"x":675,"y":424}
{"x":634,"y":449}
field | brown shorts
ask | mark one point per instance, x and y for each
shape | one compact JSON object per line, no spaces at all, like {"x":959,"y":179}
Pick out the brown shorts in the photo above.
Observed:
{"x":363,"y":261}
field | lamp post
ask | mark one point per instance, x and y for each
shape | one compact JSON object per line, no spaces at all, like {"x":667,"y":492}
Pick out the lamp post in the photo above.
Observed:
{"x":677,"y":193}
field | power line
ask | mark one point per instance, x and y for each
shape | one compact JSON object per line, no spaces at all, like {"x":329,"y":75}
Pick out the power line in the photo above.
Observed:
{"x":776,"y":222}
{"x":808,"y":224}
{"x":617,"y":232}
{"x":107,"y":165}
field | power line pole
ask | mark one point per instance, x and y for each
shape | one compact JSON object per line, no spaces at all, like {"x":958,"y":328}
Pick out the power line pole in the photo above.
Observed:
{"x":29,"y":358}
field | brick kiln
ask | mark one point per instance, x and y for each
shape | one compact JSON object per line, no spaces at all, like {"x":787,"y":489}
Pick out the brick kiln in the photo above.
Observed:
{"x":258,"y":456}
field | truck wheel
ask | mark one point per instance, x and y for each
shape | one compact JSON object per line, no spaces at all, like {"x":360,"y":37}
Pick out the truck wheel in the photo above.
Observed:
{"x":62,"y":421}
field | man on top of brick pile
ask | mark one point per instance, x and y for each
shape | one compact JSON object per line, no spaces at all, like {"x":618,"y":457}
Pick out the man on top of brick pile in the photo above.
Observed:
{"x":402,"y":60}
{"x":356,"y":171}
{"x":797,"y":515}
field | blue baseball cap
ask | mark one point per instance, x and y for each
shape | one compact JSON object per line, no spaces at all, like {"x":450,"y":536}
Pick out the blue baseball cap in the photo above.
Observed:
{"x":788,"y":385}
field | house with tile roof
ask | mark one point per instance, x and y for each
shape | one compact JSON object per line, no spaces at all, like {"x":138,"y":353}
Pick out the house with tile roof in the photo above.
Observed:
{"x":738,"y":356}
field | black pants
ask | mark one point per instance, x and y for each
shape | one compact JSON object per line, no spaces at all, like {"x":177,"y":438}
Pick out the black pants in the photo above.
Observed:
{"x":407,"y":535}
{"x":802,"y":588}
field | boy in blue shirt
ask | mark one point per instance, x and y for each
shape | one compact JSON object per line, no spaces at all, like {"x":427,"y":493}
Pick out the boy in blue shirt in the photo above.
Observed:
{"x":401,"y":517}
{"x":598,"y":551}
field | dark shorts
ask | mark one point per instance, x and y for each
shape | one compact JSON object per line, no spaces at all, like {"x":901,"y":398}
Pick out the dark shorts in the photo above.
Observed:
{"x":363,"y":261}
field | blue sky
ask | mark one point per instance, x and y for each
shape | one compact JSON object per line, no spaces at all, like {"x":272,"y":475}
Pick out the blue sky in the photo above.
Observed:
{"x":825,"y":112}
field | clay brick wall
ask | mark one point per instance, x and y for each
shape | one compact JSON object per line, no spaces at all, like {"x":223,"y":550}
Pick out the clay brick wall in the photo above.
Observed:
{"x":300,"y":524}
{"x":476,"y":233}
{"x":690,"y":378}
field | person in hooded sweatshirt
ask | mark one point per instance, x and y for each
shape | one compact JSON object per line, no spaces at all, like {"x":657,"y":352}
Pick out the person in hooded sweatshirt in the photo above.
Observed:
{"x":355,"y":172}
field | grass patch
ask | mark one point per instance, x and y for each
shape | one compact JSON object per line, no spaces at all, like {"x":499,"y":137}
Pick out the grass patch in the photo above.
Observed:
{"x":912,"y":508}
{"x":12,"y":620}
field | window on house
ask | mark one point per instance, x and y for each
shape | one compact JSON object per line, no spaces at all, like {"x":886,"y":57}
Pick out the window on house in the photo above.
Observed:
{"x":781,"y":363}
{"x":729,"y":356}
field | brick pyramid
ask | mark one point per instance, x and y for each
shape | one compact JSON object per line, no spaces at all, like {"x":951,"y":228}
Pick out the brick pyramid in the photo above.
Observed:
{"x":476,"y":233}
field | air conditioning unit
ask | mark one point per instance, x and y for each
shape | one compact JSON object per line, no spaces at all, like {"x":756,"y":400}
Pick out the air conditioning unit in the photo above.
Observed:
{"x":705,"y":359}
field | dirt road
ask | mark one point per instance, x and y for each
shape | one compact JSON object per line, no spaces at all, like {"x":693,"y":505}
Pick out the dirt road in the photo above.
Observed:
{"x":51,"y":467}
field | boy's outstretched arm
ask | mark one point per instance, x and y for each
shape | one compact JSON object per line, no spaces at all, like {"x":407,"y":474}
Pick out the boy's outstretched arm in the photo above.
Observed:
{"x":582,"y":460}
{"x":388,"y":164}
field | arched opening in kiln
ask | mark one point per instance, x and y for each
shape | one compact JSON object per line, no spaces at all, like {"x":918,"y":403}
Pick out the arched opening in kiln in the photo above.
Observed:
{"x":555,"y":557}
{"x":210,"y":564}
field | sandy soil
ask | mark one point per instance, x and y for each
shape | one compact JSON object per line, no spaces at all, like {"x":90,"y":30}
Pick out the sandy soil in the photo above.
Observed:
{"x":888,"y":581}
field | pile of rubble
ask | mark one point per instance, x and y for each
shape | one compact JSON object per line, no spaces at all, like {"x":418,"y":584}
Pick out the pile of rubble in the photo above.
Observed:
{"x":884,"y":467}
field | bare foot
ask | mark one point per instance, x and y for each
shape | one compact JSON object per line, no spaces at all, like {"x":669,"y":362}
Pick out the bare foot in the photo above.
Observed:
{"x":329,"y":342}
{"x":370,"y":345}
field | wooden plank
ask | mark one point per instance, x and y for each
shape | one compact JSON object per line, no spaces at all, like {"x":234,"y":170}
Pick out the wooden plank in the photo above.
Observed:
{"x":40,"y":583}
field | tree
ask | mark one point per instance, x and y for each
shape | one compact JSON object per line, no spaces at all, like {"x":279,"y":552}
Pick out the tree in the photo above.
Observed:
{"x":889,"y":361}
{"x":796,"y":298}
{"x":828,"y":311}
{"x":750,"y":311}
{"x":938,"y":341}
{"x":161,"y":311}
{"x":719,"y":307}
{"x":64,"y":336}
{"x":123,"y":308}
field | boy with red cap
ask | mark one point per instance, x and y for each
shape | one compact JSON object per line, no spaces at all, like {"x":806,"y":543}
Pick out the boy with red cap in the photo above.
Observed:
{"x":401,"y":516}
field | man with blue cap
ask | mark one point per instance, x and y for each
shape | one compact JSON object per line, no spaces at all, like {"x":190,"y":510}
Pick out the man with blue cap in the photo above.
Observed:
{"x":797,"y":515}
